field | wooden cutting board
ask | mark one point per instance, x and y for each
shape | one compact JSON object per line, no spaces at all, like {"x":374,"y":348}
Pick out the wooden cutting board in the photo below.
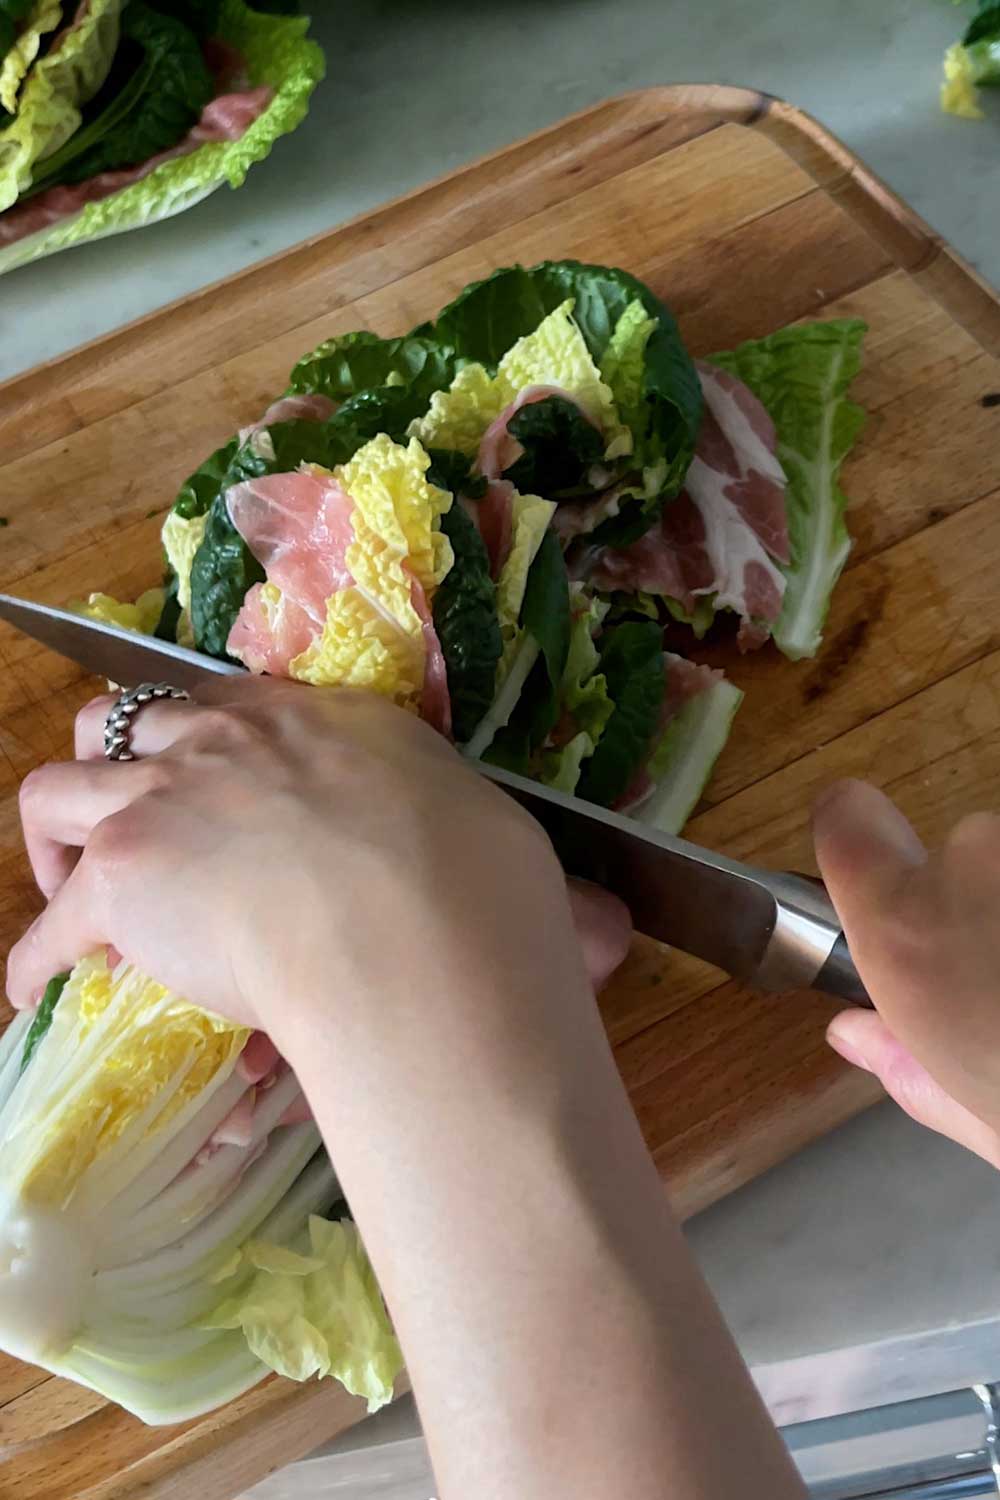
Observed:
{"x":744,"y":215}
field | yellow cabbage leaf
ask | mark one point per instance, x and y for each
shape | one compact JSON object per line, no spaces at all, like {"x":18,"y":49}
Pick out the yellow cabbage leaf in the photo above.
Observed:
{"x":181,"y":538}
{"x":959,"y":95}
{"x":530,"y":518}
{"x":319,"y":1313}
{"x":143,"y":616}
{"x":44,"y":16}
{"x":144,"y":1054}
{"x":49,"y":104}
{"x":555,"y":354}
{"x":373,"y":636}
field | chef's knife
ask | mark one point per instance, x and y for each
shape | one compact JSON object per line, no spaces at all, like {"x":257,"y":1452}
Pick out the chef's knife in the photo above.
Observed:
{"x":775,"y":930}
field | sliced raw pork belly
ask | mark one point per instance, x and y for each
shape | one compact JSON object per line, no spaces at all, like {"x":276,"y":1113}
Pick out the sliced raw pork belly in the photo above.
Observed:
{"x":299,"y":527}
{"x":435,"y":703}
{"x":268,"y":634}
{"x":227,"y":117}
{"x":308,"y":408}
{"x":684,"y":680}
{"x":727,"y":531}
{"x":498,"y":450}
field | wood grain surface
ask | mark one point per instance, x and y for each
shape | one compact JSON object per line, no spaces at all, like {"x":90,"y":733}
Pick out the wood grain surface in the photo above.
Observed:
{"x":744,"y":215}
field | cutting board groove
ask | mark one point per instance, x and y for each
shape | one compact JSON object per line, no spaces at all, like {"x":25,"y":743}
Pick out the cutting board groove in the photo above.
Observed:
{"x":744,"y":215}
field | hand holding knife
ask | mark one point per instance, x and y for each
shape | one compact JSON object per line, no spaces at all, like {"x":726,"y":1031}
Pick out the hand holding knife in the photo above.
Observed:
{"x":774,"y":930}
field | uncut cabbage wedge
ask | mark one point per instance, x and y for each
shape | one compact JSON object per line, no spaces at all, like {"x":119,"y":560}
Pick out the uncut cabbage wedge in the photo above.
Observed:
{"x":143,"y":1258}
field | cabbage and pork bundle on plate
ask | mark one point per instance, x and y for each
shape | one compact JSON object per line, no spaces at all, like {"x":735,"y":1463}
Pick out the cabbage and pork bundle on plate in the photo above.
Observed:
{"x":117,"y":113}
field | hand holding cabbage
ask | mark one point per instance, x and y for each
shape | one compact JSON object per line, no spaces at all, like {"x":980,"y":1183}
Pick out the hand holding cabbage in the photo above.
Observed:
{"x":166,"y":1230}
{"x":263,"y":778}
{"x":437,"y":1010}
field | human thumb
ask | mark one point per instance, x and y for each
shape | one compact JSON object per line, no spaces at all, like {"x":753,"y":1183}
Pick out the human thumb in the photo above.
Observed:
{"x":864,"y":1039}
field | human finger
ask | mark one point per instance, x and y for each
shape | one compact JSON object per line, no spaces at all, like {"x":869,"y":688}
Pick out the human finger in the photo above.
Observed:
{"x":155,"y":726}
{"x":863,"y":1038}
{"x":604,"y":927}
{"x":67,"y":930}
{"x":63,"y":802}
{"x":922,"y":932}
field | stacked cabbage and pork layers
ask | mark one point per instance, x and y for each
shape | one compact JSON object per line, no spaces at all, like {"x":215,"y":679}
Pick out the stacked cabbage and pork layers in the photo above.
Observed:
{"x":493,"y":520}
{"x":116,"y":113}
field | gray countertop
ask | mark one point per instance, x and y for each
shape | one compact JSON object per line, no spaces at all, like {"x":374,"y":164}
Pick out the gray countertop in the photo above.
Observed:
{"x":864,"y":1271}
{"x":416,"y":89}
{"x":881,"y":1232}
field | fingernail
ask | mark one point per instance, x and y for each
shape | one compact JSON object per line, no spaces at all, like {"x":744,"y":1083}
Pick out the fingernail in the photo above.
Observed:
{"x":847,"y":1050}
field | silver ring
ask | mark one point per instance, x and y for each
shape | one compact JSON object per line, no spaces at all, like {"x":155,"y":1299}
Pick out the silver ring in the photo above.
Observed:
{"x":118,"y":724}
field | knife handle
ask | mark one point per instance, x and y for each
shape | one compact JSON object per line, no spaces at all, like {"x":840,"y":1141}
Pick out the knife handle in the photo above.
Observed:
{"x":807,"y":920}
{"x":839,"y":977}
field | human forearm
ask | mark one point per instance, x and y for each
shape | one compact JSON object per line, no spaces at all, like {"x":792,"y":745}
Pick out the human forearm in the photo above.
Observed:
{"x":523,"y":1209}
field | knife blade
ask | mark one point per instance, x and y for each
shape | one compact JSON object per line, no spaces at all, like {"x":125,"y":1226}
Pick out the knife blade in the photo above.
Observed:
{"x":123,"y":656}
{"x":775,"y":930}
